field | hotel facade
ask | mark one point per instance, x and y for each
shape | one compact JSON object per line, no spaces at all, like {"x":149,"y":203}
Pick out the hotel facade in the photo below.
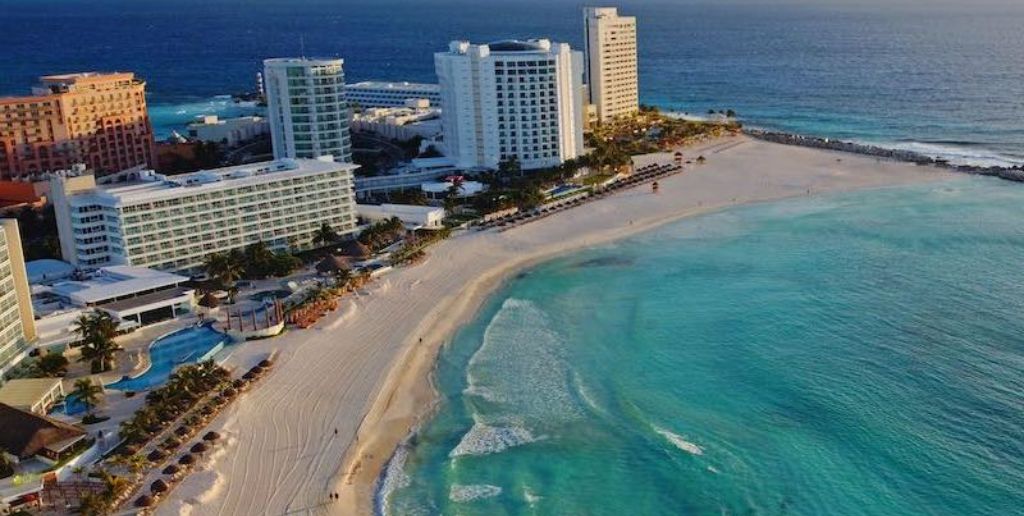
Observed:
{"x":17,"y":321}
{"x":511,"y":99}
{"x":173,"y":223}
{"x":307,"y":109}
{"x":99,"y":119}
{"x":611,"y":62}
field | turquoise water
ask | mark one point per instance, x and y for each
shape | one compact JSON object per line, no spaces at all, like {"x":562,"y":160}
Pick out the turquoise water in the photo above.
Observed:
{"x":168,"y":118}
{"x":855,"y":354}
{"x":185,"y":346}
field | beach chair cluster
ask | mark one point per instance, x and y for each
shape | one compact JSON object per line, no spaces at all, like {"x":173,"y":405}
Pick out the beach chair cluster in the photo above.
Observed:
{"x":307,"y":314}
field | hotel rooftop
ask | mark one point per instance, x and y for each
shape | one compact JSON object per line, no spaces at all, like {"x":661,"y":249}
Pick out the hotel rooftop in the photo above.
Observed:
{"x":147,"y":185}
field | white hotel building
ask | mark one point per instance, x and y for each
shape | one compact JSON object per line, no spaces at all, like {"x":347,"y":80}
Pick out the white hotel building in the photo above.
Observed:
{"x":373,"y":94}
{"x":511,"y":99}
{"x":173,"y":223}
{"x":306,"y":108}
{"x":611,"y":71}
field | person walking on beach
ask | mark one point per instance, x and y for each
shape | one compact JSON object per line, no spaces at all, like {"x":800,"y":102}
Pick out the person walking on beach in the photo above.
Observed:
{"x":335,"y":431}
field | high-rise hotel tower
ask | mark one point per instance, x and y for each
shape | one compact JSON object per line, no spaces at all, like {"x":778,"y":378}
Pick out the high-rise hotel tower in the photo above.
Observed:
{"x":511,"y":99}
{"x":611,"y":70}
{"x":307,"y":109}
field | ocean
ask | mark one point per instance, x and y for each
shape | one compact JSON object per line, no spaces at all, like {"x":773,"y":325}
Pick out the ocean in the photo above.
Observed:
{"x":848,"y":354}
{"x":927,"y":75}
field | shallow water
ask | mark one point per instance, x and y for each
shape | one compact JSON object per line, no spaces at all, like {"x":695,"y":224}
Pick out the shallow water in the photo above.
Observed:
{"x":854,"y":354}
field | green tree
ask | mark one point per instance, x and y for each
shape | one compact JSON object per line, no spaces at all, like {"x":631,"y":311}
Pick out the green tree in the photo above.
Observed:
{"x":52,"y":364}
{"x":283,"y":264}
{"x":88,"y":393}
{"x":224,"y":268}
{"x":325,"y":235}
{"x":96,"y":332}
{"x":451,"y":196}
{"x":6,"y":467}
{"x":510,"y":167}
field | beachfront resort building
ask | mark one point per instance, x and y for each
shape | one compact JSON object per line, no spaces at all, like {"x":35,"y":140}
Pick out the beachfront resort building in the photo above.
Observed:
{"x":376,"y":94}
{"x":611,"y":62}
{"x":17,"y":322}
{"x":228,"y":131}
{"x":99,"y":119}
{"x":511,"y":99}
{"x":307,"y":109}
{"x":173,"y":223}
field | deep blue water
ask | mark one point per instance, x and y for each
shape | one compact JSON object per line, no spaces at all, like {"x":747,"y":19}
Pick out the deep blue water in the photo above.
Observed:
{"x":852,"y":354}
{"x":929,"y":75}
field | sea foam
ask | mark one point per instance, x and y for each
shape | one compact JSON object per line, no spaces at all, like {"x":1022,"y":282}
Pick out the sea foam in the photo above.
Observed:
{"x":468,"y":493}
{"x":679,"y":442}
{"x":482,"y":439}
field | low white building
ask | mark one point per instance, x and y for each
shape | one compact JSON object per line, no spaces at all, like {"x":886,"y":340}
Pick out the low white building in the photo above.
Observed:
{"x":376,"y":94}
{"x":399,"y":123}
{"x":229,"y":131}
{"x":135,"y":296}
{"x":414,"y":217}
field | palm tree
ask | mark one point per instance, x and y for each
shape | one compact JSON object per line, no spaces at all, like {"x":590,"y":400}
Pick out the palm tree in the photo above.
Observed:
{"x":342,"y":277}
{"x":451,"y":197}
{"x":226,"y":269}
{"x":97,"y":332}
{"x":88,"y":393}
{"x":325,"y":235}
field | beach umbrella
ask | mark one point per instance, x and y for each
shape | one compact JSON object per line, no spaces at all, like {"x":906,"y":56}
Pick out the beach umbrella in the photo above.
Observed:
{"x":256,"y":370}
{"x":159,"y":486}
{"x":238,"y":384}
{"x":248,"y":376}
{"x":171,"y":469}
{"x":198,"y":448}
{"x":229,"y":393}
{"x":144,"y":501}
{"x":206,"y":410}
{"x":186,"y":460}
{"x":181,"y":430}
{"x":266,"y":363}
{"x":211,"y":436}
{"x":156,"y":455}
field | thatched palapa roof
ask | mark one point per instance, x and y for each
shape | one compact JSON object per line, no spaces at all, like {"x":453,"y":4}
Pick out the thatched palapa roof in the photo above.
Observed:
{"x":209,"y":300}
{"x":332,"y":264}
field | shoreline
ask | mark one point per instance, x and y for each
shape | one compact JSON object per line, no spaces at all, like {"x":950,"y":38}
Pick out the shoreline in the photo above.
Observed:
{"x":1009,"y":173}
{"x":409,"y":397}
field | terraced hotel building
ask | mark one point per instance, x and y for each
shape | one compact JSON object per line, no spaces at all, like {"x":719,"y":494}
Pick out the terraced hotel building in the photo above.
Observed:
{"x":99,"y":119}
{"x":173,"y":223}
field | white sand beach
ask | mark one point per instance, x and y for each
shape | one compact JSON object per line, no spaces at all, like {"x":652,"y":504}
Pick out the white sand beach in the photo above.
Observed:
{"x":363,"y":371}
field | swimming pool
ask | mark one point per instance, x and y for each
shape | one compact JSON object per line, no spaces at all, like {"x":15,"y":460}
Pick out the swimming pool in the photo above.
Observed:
{"x":186,"y":346}
{"x":70,"y":406}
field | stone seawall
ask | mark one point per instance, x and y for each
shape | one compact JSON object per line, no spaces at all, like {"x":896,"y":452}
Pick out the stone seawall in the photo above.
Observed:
{"x":1008,"y":173}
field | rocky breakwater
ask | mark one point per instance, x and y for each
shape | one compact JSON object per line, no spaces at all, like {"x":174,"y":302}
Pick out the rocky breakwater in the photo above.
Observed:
{"x":1009,"y":173}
